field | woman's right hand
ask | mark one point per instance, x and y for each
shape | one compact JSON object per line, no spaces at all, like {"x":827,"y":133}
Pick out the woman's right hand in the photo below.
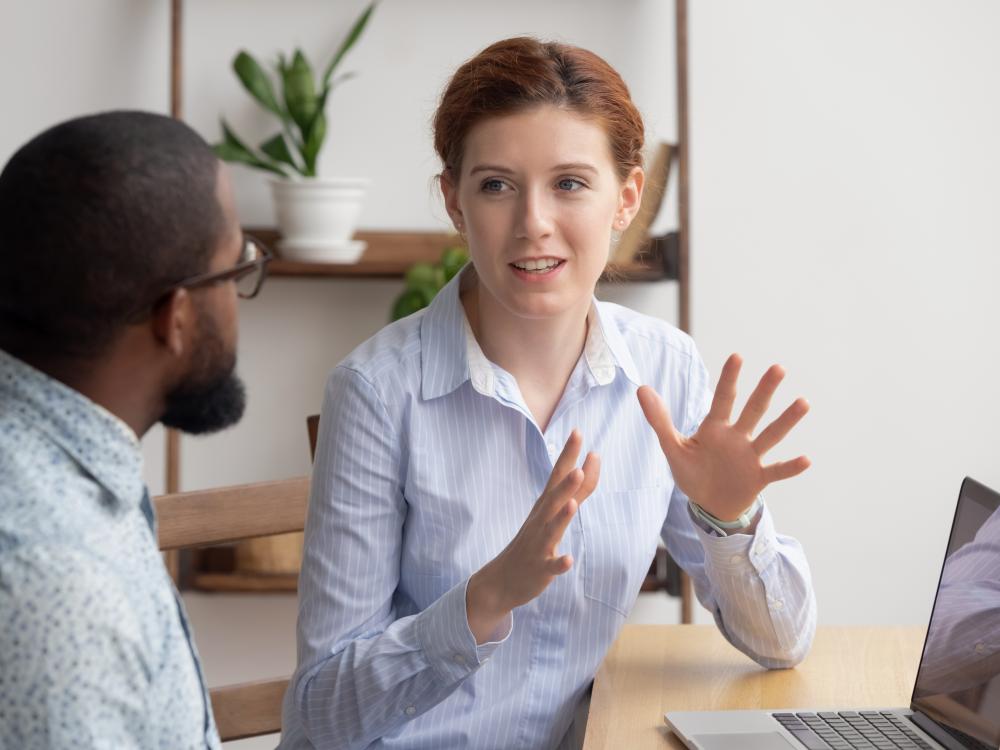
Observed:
{"x":530,"y":562}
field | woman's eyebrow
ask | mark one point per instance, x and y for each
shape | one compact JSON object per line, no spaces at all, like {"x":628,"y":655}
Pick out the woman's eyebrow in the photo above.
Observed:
{"x":577,"y":165}
{"x":490,"y":168}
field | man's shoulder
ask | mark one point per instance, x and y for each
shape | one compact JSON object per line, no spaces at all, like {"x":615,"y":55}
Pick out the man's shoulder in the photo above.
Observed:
{"x":44,"y":493}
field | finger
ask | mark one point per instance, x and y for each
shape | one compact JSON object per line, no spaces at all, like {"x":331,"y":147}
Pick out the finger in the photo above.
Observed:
{"x":775,"y":432}
{"x":591,"y":474}
{"x":658,"y":416}
{"x":786,"y":469}
{"x":725,"y":390}
{"x":553,"y":500}
{"x":559,"y":565}
{"x":567,"y":459}
{"x":760,"y":399}
{"x":556,"y":527}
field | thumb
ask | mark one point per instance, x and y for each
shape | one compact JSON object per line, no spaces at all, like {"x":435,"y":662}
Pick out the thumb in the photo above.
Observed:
{"x":658,"y":416}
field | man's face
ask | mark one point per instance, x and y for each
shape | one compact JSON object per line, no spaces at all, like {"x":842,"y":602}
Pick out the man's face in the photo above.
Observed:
{"x":211,"y":396}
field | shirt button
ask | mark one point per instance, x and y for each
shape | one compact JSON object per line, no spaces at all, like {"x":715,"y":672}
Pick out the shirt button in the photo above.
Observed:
{"x":735,"y":559}
{"x":553,"y":448}
{"x":777,"y":603}
{"x":980,"y":648}
{"x":410,"y":710}
{"x":458,"y":659}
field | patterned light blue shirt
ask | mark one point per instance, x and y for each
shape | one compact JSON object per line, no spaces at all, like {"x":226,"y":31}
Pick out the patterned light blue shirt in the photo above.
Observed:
{"x":428,"y":463}
{"x":94,"y":650}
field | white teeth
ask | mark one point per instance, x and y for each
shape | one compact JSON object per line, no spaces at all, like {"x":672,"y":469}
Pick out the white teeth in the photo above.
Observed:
{"x":541,"y":264}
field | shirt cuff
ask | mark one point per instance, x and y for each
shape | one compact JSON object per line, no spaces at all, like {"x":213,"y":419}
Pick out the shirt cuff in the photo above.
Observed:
{"x":735,"y":553}
{"x":447,"y":641}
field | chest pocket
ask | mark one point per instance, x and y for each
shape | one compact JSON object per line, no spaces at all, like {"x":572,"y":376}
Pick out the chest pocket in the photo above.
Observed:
{"x":620,"y":533}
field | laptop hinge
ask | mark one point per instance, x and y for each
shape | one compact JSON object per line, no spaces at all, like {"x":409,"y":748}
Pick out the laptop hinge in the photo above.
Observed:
{"x":943,"y":737}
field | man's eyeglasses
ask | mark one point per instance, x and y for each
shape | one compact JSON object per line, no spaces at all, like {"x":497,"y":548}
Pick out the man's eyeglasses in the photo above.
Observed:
{"x":248,"y":273}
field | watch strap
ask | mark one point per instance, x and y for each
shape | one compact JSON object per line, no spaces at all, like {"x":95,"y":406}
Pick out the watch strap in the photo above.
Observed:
{"x":743,"y":521}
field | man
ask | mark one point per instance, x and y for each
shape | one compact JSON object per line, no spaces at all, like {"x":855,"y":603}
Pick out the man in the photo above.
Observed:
{"x":121,"y":259}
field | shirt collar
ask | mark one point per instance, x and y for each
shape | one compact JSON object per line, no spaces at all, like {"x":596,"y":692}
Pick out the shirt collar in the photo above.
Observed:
{"x":450,"y":354}
{"x":103,"y":445}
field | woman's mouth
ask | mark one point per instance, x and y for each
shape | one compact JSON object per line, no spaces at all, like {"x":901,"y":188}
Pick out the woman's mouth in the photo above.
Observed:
{"x":538,"y":266}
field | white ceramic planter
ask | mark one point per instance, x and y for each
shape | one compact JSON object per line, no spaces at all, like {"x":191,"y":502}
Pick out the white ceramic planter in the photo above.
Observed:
{"x":317,"y":218}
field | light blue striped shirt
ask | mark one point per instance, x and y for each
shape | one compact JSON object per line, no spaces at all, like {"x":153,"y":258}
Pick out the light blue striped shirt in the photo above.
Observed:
{"x":428,"y":463}
{"x":94,"y":646}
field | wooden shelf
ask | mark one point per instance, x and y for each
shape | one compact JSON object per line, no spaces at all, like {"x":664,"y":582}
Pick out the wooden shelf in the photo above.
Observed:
{"x":244,"y":582}
{"x":390,"y":254}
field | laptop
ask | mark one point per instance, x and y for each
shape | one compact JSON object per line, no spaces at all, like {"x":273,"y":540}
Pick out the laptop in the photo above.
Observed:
{"x":956,"y":698}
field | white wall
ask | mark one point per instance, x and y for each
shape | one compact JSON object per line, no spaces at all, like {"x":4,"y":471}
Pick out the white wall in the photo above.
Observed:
{"x":844,"y":198}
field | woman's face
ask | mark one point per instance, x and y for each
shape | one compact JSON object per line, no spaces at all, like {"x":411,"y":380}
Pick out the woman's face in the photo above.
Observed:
{"x":537,"y":199}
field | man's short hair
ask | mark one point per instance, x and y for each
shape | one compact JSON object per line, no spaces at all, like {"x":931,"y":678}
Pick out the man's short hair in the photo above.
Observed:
{"x":98,"y":216}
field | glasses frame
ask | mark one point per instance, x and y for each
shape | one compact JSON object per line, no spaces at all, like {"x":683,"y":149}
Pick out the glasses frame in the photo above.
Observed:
{"x":234,"y":273}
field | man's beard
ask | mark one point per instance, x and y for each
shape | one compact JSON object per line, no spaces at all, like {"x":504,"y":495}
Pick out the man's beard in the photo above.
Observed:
{"x":211,"y":397}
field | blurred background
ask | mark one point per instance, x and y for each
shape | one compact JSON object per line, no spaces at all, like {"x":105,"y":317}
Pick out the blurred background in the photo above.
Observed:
{"x":844,"y":196}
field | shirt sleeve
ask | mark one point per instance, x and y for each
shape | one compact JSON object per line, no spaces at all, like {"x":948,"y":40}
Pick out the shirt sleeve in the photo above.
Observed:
{"x":74,"y":669}
{"x":757,"y":586}
{"x":363,"y":671}
{"x":963,"y":641}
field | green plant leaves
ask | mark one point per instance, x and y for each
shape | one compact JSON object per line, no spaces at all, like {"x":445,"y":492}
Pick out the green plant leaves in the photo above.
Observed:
{"x":301,"y":107}
{"x":345,"y":46}
{"x":300,"y":92}
{"x":232,"y":149}
{"x":255,"y":80}
{"x":277,"y":149}
{"x":313,"y":143}
{"x":424,"y":281}
{"x":452,"y":261}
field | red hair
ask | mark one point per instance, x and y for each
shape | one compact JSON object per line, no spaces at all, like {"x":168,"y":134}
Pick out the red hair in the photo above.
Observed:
{"x":516,"y":74}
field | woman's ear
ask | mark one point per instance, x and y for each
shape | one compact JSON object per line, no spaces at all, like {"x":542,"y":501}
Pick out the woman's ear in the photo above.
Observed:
{"x":172,"y":321}
{"x":630,"y":197}
{"x":449,"y":189}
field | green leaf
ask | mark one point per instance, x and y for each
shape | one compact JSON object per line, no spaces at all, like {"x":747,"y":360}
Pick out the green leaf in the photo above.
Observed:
{"x":314,"y":142}
{"x":300,"y":93}
{"x":452,"y":261}
{"x":345,"y":46}
{"x":420,"y":275}
{"x":232,"y":149}
{"x":408,"y":303}
{"x":255,"y":80}
{"x":277,"y":148}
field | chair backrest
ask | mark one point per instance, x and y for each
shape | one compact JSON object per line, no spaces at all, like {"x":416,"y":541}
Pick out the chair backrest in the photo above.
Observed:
{"x":227,"y":514}
{"x":312,"y":426}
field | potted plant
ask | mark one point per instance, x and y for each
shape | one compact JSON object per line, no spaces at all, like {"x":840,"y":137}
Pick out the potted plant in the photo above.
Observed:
{"x":317,"y":216}
{"x":425,"y":280}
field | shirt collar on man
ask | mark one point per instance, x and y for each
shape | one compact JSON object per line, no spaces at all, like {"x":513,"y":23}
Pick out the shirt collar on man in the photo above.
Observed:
{"x":450,"y":354}
{"x":103,"y":445}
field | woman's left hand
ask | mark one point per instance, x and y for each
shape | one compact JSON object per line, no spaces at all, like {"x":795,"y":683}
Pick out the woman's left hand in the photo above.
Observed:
{"x":719,"y":467}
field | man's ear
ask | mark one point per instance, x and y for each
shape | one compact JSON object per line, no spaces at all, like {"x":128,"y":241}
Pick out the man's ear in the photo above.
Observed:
{"x":172,"y":321}
{"x":449,"y":189}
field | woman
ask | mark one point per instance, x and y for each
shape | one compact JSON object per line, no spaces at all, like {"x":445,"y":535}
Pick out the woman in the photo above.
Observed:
{"x":463,"y":575}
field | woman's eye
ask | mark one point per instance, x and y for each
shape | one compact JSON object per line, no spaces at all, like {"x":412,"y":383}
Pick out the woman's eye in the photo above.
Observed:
{"x":570,"y":184}
{"x":493,"y":186}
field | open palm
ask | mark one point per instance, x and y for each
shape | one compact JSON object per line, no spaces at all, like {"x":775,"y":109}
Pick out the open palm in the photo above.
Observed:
{"x":720,"y":467}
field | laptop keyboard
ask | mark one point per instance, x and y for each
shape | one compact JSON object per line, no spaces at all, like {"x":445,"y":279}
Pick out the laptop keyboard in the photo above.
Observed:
{"x":852,"y":730}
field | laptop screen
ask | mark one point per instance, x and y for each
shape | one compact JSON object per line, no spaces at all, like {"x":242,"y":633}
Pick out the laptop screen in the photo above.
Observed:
{"x":958,"y":683}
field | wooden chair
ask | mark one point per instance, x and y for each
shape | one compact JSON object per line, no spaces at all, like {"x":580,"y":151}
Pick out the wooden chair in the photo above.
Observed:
{"x":228,"y":514}
{"x":664,"y":574}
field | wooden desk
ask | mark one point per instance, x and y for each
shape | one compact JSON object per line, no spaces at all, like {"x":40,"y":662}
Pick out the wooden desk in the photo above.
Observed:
{"x":652,"y":669}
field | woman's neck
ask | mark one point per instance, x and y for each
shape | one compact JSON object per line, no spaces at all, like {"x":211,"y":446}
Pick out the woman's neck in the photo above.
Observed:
{"x":540,"y":354}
